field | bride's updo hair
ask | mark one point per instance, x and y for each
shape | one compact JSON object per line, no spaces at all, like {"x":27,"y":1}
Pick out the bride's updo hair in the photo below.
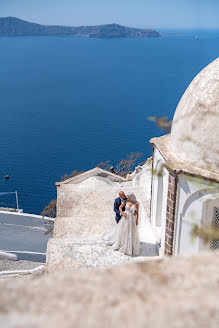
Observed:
{"x":131,"y":197}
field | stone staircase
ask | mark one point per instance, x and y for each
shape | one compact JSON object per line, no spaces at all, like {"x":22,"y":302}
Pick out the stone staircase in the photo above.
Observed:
{"x":85,"y":212}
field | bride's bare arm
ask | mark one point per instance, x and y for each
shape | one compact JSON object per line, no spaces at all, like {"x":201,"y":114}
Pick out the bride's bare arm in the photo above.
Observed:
{"x":137,"y":209}
{"x":120,"y":209}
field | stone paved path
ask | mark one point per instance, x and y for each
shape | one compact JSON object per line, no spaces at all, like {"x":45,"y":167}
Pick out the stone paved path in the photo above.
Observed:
{"x":92,"y":253}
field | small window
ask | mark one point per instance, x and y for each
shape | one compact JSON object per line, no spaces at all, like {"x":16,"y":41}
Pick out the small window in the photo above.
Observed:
{"x":215,"y":223}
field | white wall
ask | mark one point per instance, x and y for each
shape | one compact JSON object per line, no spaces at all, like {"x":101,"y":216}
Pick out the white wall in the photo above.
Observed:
{"x":159,"y":194}
{"x":143,"y":179}
{"x":195,"y":203}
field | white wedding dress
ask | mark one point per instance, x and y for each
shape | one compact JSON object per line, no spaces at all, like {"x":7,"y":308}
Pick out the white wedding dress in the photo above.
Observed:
{"x":125,"y":237}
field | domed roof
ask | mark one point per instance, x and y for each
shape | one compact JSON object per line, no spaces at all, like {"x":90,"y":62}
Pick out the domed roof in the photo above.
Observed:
{"x":194,"y":134}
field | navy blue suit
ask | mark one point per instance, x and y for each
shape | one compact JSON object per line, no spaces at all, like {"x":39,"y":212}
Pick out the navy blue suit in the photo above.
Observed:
{"x":117,"y":203}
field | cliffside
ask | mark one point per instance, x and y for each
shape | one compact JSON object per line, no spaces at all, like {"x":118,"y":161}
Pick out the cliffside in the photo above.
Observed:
{"x":11,"y":26}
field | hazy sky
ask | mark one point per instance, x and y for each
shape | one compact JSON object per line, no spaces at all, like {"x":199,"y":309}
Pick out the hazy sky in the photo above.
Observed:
{"x":140,"y":13}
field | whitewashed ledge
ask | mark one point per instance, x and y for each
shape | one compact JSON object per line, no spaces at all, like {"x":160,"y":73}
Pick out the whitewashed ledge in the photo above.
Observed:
{"x":8,"y":256}
{"x":38,"y":269}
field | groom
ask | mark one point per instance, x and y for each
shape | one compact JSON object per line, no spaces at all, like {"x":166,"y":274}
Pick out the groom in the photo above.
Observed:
{"x":118,"y":201}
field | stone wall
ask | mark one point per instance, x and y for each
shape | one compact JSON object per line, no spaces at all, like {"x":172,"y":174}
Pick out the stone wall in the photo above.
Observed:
{"x":139,"y":295}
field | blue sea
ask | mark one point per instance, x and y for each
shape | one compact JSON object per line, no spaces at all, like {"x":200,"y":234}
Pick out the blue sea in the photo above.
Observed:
{"x":70,"y":103}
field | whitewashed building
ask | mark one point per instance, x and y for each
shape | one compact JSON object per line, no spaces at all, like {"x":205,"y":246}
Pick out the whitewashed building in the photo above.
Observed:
{"x":185,"y":181}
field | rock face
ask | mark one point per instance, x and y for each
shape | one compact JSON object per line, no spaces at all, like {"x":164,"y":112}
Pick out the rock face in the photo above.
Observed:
{"x":177,"y":292}
{"x":11,"y":26}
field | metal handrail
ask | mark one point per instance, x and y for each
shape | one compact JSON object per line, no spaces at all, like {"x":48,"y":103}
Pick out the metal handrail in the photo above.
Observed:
{"x":11,"y":192}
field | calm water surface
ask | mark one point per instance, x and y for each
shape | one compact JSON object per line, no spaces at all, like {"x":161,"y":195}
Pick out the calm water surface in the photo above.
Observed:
{"x":70,"y":103}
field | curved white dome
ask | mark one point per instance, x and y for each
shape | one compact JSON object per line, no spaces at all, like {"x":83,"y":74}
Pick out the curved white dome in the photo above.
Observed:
{"x":194,"y":134}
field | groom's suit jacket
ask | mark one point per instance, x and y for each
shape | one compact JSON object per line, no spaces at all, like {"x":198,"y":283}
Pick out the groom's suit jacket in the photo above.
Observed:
{"x":117,"y":203}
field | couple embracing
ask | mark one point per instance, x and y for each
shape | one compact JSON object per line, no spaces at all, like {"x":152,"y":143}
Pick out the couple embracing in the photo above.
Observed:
{"x":124,"y":237}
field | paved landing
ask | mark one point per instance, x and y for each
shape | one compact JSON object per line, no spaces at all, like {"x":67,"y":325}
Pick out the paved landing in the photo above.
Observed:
{"x":89,"y":254}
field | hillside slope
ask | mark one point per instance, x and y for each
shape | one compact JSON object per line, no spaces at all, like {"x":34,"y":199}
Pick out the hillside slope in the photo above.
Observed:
{"x":11,"y":26}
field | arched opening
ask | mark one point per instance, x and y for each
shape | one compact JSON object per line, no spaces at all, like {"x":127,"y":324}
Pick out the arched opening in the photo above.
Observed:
{"x":199,"y":209}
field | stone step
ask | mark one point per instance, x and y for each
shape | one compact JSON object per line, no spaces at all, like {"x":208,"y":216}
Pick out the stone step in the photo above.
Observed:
{"x":65,"y":253}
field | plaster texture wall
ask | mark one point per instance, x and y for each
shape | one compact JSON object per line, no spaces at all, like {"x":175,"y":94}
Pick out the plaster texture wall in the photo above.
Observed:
{"x":195,"y":202}
{"x":142,"y":182}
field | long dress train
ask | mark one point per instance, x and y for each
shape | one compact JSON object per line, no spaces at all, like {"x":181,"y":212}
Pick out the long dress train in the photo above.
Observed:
{"x":125,"y":237}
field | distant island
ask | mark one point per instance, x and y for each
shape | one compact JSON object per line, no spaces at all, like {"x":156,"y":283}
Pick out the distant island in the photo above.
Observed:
{"x":11,"y":26}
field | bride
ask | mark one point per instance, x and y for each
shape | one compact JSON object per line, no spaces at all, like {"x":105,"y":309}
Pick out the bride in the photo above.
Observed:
{"x":124,"y":237}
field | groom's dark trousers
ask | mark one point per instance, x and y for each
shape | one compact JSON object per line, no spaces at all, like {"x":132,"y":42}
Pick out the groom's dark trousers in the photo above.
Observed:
{"x":117,"y":203}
